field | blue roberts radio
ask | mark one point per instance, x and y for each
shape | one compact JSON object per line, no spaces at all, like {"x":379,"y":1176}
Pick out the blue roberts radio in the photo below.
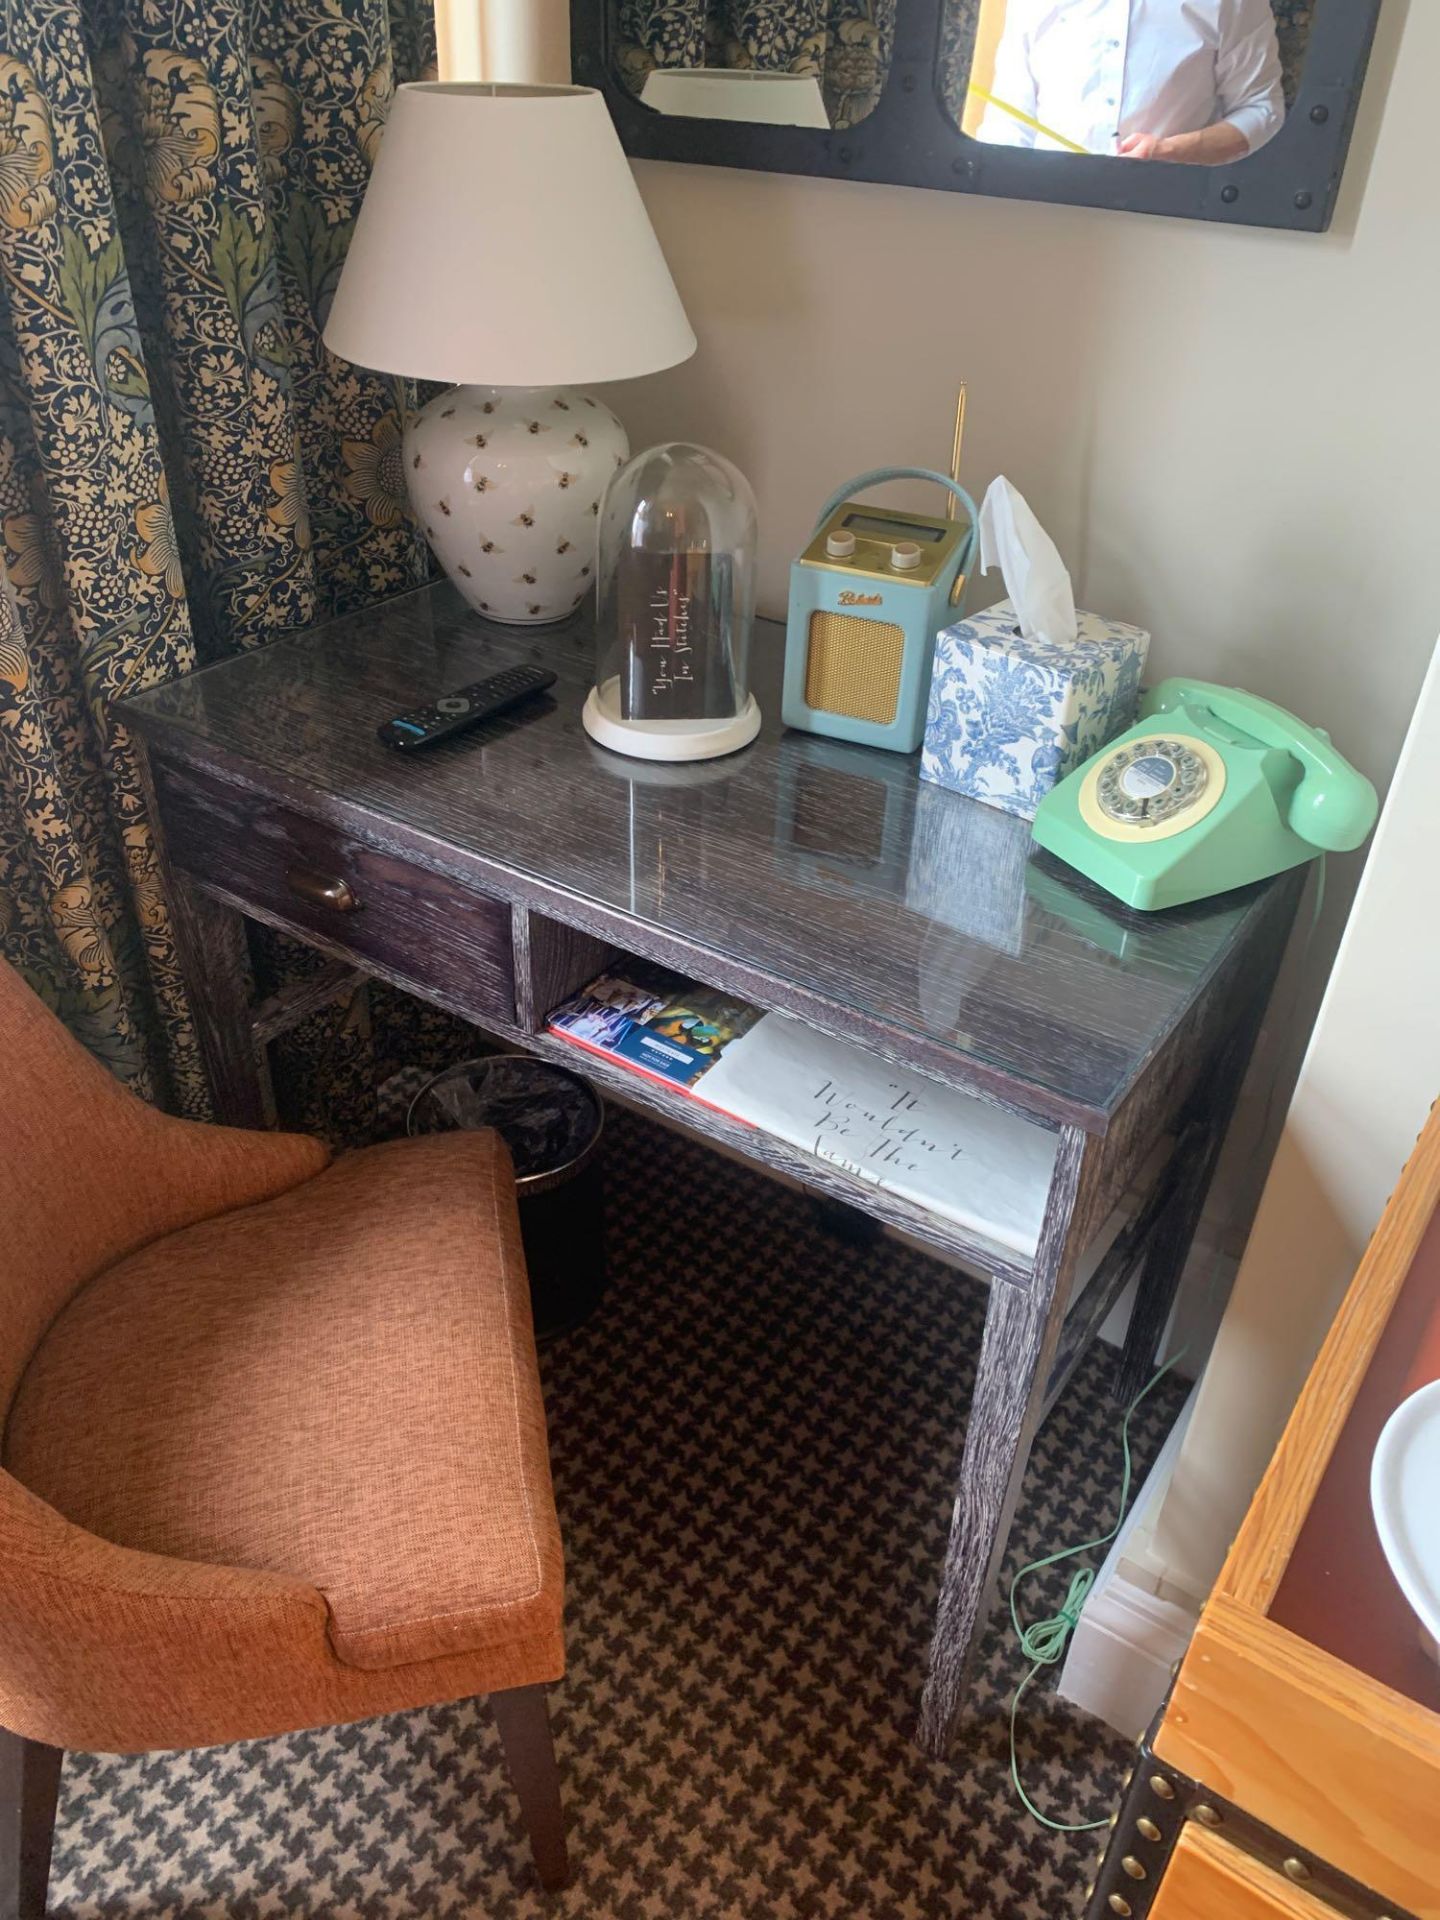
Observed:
{"x":867,"y":598}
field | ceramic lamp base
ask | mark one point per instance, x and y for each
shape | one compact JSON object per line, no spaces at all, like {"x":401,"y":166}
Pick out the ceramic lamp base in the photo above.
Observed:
{"x":506,"y":483}
{"x":666,"y":739}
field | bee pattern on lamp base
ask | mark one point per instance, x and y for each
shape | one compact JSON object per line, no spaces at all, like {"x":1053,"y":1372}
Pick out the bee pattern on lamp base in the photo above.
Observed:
{"x":482,"y":462}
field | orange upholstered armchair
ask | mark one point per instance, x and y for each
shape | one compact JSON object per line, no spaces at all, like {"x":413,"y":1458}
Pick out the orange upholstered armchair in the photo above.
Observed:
{"x":273,"y":1443}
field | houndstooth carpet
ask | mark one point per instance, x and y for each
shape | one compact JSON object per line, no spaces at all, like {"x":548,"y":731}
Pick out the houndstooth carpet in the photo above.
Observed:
{"x":754,"y":1443}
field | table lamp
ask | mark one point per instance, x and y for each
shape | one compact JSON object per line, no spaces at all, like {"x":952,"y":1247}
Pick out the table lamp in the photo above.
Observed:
{"x":503,"y":241}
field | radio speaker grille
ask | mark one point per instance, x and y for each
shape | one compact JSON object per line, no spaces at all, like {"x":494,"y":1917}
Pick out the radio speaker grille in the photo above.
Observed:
{"x":852,"y":667}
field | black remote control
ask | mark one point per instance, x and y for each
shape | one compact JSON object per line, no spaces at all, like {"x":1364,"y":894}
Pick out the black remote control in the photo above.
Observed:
{"x":453,"y":712}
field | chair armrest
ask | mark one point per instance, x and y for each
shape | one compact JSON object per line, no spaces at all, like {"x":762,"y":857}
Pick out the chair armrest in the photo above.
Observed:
{"x":107,"y":1649}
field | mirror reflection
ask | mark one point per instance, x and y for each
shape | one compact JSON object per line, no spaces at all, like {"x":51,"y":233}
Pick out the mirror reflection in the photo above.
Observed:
{"x":787,"y":63}
{"x":1193,"y":82}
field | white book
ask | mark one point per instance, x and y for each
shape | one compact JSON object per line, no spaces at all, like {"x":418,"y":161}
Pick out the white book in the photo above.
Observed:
{"x":947,"y":1151}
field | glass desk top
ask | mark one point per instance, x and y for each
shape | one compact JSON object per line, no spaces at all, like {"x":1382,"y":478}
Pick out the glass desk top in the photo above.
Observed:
{"x":830,"y":867}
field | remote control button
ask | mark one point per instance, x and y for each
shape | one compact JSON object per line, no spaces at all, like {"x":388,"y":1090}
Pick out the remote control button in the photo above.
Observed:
{"x":453,"y":703}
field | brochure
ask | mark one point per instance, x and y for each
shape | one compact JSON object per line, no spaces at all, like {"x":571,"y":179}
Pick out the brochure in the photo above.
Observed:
{"x":655,"y":1020}
{"x":943,"y":1149}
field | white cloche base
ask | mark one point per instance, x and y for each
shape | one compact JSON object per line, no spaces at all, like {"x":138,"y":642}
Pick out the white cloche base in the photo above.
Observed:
{"x":668,"y":739}
{"x":506,"y":483}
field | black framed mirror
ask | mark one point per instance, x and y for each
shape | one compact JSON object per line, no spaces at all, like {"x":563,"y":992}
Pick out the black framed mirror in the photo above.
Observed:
{"x":1232,"y":110}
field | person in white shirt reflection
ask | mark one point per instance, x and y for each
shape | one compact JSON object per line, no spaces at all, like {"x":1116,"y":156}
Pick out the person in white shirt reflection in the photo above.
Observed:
{"x":1184,"y":80}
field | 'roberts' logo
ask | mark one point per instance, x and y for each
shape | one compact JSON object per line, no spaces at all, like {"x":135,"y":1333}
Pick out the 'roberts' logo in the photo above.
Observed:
{"x":849,"y":599}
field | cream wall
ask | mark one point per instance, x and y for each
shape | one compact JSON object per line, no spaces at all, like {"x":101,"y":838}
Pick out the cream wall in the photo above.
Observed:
{"x":1369,"y":1078}
{"x":1232,"y":434}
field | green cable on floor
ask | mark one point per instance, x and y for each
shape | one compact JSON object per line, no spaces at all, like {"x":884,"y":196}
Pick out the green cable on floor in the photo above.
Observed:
{"x":1044,"y":1643}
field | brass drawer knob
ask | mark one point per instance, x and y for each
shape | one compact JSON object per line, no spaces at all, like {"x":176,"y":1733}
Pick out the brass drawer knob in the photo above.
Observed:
{"x":322,"y":889}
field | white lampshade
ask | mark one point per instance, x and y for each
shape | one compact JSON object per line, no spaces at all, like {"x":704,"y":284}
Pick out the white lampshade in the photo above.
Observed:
{"x":503,"y":240}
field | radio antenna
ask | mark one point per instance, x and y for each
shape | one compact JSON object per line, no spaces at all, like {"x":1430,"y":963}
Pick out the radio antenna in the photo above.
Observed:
{"x":953,"y":512}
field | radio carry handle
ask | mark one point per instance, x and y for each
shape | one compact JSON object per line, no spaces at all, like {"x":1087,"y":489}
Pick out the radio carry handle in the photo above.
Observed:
{"x":878,"y":475}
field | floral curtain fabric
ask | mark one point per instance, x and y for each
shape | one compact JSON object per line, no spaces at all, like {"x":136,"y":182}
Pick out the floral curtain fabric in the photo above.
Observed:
{"x":1293,"y":21}
{"x":845,"y":43}
{"x":184,"y":469}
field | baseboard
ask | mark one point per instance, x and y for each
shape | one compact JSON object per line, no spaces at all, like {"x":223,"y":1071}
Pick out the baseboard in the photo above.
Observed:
{"x":1131,"y":1634}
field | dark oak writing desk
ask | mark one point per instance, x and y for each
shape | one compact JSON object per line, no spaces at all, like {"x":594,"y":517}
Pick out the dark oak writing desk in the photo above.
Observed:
{"x":497,"y":873}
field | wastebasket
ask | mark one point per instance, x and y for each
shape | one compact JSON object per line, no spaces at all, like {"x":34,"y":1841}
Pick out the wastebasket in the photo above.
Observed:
{"x":551,"y":1120}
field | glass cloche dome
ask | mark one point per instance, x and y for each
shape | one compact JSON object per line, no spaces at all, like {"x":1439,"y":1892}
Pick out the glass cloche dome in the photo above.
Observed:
{"x":676,"y":576}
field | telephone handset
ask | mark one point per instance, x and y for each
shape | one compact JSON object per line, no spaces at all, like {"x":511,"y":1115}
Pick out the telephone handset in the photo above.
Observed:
{"x":1334,"y":806}
{"x":1213,"y":787}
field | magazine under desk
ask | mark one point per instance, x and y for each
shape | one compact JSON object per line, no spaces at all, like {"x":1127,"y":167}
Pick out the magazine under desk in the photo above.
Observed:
{"x":496,"y":876}
{"x":573,"y":963}
{"x":1106,"y":1264}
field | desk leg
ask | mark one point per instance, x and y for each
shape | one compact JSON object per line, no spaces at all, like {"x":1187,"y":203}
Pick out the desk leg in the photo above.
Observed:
{"x":215,"y":959}
{"x":1175,"y":1232}
{"x":1022,"y":1331}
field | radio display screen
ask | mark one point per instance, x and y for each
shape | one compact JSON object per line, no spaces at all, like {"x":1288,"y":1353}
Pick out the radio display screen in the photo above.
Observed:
{"x":891,"y":529}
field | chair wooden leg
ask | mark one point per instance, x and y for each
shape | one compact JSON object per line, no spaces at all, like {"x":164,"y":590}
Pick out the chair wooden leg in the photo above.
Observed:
{"x":523,"y":1717}
{"x":29,"y":1788}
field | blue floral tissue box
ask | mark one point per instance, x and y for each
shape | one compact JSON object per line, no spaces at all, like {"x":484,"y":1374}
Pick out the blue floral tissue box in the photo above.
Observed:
{"x":1010,"y":717}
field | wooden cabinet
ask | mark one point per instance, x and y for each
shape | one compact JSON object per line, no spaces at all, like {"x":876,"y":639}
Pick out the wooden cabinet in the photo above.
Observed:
{"x":1209,"y":1878}
{"x":1298,"y":1759}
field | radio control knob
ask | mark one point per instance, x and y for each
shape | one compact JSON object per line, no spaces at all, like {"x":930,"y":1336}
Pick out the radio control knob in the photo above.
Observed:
{"x":905,"y":556}
{"x":840,"y":545}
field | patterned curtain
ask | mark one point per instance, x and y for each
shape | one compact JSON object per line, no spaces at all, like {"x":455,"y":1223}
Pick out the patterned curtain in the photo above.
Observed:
{"x":1293,"y":20}
{"x":846,"y":43}
{"x":184,"y":469}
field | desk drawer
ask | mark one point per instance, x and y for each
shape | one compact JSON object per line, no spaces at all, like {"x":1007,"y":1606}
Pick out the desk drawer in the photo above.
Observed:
{"x":407,"y":924}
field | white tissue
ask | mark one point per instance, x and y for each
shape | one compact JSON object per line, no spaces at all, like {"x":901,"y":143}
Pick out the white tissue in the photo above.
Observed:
{"x":1035,"y":575}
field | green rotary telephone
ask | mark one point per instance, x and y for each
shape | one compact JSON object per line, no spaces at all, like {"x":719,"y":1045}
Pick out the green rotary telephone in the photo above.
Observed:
{"x":1210,"y":789}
